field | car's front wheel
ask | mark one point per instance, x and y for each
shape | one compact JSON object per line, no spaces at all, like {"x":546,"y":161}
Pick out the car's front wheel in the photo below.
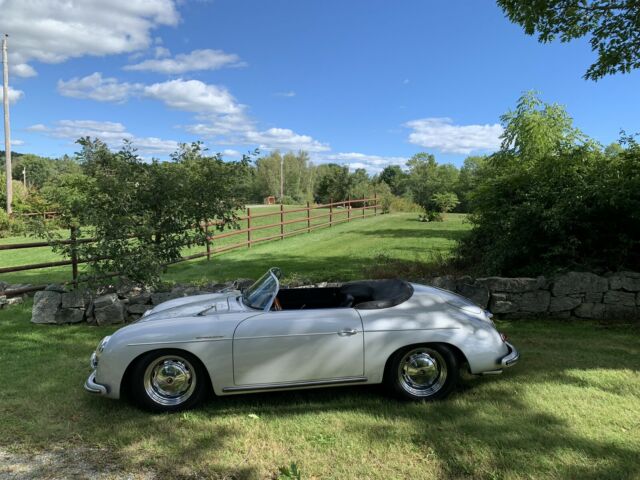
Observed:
{"x":423,"y":372}
{"x":168,"y":381}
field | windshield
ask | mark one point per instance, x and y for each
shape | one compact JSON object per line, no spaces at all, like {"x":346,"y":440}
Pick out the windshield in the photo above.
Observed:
{"x":261,"y":294}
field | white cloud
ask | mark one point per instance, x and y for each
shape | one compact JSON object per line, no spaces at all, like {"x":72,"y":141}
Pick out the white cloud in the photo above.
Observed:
{"x":53,"y":31}
{"x":194,"y":96}
{"x":112,"y":133}
{"x":16,"y":142}
{"x":443,"y":135}
{"x":206,"y":59}
{"x":371,"y":163}
{"x":285,"y":139}
{"x":22,"y":70}
{"x":161,"y":52}
{"x":14,"y":95}
{"x":287,"y":94}
{"x":96,"y":87}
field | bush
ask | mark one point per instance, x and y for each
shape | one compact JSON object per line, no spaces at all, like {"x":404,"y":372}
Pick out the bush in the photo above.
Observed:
{"x":552,"y":199}
{"x":11,"y":225}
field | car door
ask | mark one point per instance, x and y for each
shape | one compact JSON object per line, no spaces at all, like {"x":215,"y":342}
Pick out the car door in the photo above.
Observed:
{"x":298,"y":346}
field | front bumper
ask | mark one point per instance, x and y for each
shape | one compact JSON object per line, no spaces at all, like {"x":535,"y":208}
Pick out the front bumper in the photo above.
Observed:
{"x":511,"y":358}
{"x":94,"y":387}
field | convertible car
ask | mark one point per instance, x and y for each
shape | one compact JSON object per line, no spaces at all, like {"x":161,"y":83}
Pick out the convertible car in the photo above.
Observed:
{"x":411,"y":337}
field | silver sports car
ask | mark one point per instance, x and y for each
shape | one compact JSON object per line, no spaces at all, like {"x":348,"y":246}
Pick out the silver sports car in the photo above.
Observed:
{"x":412,"y":337}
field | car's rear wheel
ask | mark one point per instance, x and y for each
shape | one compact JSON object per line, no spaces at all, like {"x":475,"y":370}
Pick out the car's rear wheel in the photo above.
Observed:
{"x":422,"y":372}
{"x":168,"y":381}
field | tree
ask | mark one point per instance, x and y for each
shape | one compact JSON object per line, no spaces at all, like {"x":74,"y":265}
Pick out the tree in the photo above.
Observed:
{"x":427,"y":178}
{"x":144,"y":214}
{"x":552,"y":199}
{"x":470,"y":175}
{"x":333,"y":182}
{"x":612,"y":26}
{"x":396,"y":178}
{"x":445,"y":202}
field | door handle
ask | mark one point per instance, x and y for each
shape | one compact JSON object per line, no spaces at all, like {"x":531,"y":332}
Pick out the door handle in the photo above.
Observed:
{"x":347,"y":332}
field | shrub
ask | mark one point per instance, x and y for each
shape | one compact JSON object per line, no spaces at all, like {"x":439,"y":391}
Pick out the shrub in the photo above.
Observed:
{"x":553,"y":199}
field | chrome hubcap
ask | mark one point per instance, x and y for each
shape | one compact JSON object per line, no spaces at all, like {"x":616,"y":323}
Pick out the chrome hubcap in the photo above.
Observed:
{"x":170,"y":380}
{"x":422,"y":372}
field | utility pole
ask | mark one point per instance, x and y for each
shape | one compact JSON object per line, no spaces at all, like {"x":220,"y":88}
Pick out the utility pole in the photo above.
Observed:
{"x":281,"y":178}
{"x":7,"y":131}
{"x":24,"y":177}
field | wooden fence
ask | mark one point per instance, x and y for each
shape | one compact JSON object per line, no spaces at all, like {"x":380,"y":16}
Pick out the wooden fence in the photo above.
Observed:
{"x":338,"y":212}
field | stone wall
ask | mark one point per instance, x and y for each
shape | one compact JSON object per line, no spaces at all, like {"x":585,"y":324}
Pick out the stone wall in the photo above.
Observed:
{"x":575,"y":294}
{"x":613,"y":297}
{"x":110,"y":305}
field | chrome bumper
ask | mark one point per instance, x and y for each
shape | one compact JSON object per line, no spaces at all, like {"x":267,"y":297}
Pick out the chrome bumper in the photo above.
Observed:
{"x":92,"y":386}
{"x":511,"y":358}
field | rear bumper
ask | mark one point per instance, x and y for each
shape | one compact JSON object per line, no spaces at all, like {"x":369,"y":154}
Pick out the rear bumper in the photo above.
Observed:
{"x":511,"y":358}
{"x":94,"y":387}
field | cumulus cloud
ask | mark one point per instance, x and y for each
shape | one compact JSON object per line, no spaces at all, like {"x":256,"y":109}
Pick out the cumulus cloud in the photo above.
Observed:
{"x":95,"y":87}
{"x":197,"y":60}
{"x":371,"y":163}
{"x":194,"y":96}
{"x":285,"y":139}
{"x":56,"y":30}
{"x":22,"y":70}
{"x":112,"y":133}
{"x":14,"y":95}
{"x":441,"y":134}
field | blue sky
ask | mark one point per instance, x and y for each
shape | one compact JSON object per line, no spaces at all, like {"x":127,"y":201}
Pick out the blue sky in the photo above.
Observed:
{"x":362,"y":82}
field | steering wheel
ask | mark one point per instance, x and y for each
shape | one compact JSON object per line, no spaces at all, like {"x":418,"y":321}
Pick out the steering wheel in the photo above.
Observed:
{"x":276,"y":305}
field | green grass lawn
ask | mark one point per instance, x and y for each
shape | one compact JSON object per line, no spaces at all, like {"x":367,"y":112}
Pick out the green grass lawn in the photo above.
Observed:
{"x":341,"y":252}
{"x":569,"y":410}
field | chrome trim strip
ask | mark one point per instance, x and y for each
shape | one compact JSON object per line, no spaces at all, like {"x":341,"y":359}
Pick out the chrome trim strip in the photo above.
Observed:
{"x":277,"y":386}
{"x":92,"y":386}
{"x":170,"y":342}
{"x":310,"y":334}
{"x":511,"y":358}
{"x":411,"y":329}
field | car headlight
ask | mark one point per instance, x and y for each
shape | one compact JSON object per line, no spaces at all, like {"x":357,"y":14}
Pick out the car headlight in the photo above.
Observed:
{"x":95,"y":356}
{"x":103,"y":344}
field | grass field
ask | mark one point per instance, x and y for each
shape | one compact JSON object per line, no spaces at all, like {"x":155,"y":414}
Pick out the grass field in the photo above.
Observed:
{"x":339,"y":252}
{"x":568,"y":410}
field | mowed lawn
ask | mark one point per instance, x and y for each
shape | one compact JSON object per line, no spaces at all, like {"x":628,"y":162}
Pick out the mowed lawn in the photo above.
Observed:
{"x":569,"y":410}
{"x":341,"y":252}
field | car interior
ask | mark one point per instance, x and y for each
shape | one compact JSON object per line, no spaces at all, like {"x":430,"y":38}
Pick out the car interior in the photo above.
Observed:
{"x":363,"y":295}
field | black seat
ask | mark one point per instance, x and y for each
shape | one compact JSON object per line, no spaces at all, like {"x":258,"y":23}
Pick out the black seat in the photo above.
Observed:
{"x":347,"y":301}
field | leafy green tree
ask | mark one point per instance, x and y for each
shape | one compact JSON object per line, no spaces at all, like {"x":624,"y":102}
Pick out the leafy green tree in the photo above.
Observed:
{"x":552,"y":199}
{"x":469,"y":178}
{"x":445,"y":201}
{"x":396,"y":178}
{"x":144,"y":214}
{"x":333,"y":182}
{"x":427,"y":178}
{"x":611,"y":25}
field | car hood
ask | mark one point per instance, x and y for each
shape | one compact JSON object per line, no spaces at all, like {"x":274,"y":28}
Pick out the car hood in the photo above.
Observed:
{"x":204,"y":305}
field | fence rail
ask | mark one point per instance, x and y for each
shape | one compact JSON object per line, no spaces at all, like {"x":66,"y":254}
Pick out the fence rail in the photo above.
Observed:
{"x":339,"y":212}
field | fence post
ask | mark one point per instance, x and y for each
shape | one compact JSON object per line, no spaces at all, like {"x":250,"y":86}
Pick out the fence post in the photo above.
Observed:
{"x":363,"y":208}
{"x":331,"y":212}
{"x":375,"y":204}
{"x":349,"y":208}
{"x":248,"y":228}
{"x":308,"y":218}
{"x":206,"y":232}
{"x":74,"y":255}
{"x":281,"y":221}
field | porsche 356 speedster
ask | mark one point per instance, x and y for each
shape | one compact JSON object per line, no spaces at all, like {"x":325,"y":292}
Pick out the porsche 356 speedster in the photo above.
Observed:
{"x":411,"y":337}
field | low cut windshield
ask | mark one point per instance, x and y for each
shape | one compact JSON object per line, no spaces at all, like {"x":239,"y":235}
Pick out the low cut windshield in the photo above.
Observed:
{"x":261,"y":294}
